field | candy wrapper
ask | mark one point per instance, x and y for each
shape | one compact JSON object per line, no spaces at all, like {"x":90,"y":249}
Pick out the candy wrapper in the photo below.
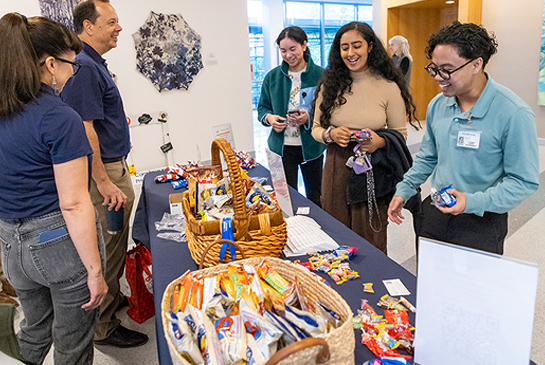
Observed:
{"x":232,"y":339}
{"x":407,"y":304}
{"x":166,"y":178}
{"x":245,"y":160}
{"x":442,"y":198}
{"x":178,"y":171}
{"x":388,"y":302}
{"x":258,"y":194}
{"x":368,"y":288}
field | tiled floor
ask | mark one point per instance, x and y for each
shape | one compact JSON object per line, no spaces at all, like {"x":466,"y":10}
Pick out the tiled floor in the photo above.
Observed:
{"x":524,"y":242}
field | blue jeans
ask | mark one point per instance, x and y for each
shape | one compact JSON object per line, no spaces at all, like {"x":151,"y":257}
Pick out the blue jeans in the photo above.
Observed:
{"x":51,"y":282}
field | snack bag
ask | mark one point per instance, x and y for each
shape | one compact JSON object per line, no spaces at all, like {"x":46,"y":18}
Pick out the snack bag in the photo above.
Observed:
{"x":261,"y":330}
{"x":183,"y":294}
{"x":253,"y":354}
{"x":183,"y":340}
{"x":314,"y":325}
{"x":274,"y":279}
{"x":207,"y":340}
{"x":332,"y":317}
{"x":232,"y":340}
{"x":197,"y":291}
{"x":291,"y":334}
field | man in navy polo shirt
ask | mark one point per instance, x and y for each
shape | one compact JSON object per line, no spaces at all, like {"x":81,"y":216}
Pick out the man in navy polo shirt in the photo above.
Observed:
{"x":94,"y":95}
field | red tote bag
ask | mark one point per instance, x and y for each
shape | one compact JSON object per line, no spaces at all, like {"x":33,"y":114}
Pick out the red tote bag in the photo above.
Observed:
{"x":139,"y":277}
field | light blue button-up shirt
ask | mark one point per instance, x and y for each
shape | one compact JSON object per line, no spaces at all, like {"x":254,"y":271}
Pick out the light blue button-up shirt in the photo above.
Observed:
{"x":499,"y":174}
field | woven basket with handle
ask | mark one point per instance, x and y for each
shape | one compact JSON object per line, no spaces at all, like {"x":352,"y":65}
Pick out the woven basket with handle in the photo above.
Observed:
{"x":261,"y":234}
{"x":334,"y":348}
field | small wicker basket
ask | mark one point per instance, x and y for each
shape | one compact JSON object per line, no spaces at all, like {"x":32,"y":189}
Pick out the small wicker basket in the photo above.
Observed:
{"x":263,"y":234}
{"x":335,"y":348}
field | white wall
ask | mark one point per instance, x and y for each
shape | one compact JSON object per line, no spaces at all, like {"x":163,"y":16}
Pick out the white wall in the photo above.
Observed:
{"x":219,"y":94}
{"x":518,"y":30}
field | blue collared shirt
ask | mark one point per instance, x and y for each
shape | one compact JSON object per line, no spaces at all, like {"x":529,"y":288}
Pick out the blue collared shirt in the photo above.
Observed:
{"x":499,"y":174}
{"x":94,"y":95}
{"x":44,"y":133}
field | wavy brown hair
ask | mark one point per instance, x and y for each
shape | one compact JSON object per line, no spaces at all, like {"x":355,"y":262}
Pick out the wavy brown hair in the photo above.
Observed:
{"x":336,"y":81}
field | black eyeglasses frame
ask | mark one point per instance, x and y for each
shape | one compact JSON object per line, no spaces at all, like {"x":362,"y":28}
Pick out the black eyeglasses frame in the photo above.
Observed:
{"x":444,"y":74}
{"x":75,"y":65}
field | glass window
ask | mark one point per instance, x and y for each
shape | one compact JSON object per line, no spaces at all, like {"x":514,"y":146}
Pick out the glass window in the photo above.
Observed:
{"x":255,"y":21}
{"x":321,"y":20}
{"x":365,"y":14}
{"x":336,"y":15}
{"x":302,"y":14}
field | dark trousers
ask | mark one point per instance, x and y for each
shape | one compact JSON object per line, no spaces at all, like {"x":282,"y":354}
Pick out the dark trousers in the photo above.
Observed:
{"x":486,"y":233}
{"x":311,"y":171}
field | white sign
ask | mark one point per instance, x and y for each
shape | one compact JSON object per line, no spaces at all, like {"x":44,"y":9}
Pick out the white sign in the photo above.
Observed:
{"x":474,"y":307}
{"x":279,"y":182}
{"x":224,"y":131}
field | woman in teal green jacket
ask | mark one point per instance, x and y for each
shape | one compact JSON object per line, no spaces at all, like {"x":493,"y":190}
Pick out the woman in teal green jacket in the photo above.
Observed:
{"x":285,"y":104}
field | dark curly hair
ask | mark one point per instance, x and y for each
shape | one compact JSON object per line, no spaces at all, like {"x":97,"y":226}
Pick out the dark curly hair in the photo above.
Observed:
{"x":471,"y":41}
{"x":337,"y":81}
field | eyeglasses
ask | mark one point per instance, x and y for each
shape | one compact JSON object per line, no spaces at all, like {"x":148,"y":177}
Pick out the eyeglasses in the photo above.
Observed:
{"x":444,"y":74}
{"x":75,"y":66}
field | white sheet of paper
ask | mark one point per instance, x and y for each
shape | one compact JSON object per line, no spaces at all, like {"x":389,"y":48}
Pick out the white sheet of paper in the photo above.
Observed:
{"x":305,"y":235}
{"x":473,"y":307}
{"x":303,"y":211}
{"x":395,"y":287}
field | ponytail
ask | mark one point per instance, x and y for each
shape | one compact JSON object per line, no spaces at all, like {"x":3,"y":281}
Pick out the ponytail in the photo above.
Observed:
{"x":19,"y":72}
{"x":23,"y":42}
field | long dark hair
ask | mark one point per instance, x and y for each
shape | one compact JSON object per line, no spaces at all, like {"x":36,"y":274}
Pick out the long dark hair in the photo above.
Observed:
{"x":337,"y":81}
{"x":296,"y":34}
{"x":23,"y":42}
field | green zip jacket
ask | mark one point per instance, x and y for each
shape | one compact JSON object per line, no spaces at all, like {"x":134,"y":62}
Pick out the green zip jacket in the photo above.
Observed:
{"x":274,"y":99}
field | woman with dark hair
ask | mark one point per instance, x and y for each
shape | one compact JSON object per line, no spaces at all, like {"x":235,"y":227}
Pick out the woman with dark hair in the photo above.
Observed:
{"x":52,"y":248}
{"x":362,"y":90}
{"x":286,"y":97}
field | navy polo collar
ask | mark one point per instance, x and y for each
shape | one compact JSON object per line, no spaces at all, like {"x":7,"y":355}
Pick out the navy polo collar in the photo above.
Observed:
{"x":93,"y":54}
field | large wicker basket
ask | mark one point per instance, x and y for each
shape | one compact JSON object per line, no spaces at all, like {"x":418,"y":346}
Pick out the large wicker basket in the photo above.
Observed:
{"x":338,"y":347}
{"x":262,"y":234}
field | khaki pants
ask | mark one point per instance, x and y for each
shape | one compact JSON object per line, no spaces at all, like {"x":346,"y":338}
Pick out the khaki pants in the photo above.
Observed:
{"x":116,"y":247}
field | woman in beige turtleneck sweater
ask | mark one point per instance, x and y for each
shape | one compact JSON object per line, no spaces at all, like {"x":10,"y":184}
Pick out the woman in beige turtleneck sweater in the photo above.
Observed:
{"x":361,"y":90}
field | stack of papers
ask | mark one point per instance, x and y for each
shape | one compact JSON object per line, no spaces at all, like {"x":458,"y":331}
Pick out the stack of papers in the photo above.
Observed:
{"x":305,"y":235}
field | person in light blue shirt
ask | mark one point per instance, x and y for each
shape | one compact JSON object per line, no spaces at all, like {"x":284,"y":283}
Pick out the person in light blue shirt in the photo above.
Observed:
{"x":480,"y":137}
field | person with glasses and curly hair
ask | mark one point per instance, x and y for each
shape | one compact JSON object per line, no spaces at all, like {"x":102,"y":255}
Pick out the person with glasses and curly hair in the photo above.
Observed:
{"x":362,"y":94}
{"x":480,"y":137}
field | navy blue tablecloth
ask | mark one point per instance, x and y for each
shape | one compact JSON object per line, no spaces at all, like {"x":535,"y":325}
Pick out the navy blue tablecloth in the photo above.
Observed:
{"x":171,"y":259}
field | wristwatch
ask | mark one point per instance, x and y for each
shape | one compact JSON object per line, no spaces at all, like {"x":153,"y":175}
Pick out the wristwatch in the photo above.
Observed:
{"x":327,"y":135}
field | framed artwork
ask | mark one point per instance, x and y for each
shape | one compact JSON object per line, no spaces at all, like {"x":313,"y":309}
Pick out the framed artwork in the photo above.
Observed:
{"x":541,"y":83}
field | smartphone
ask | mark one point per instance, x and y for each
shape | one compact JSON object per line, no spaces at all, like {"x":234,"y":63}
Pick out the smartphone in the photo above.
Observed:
{"x":51,"y":235}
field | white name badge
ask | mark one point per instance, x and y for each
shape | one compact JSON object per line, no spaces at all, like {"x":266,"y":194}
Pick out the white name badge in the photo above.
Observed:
{"x":469,"y":139}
